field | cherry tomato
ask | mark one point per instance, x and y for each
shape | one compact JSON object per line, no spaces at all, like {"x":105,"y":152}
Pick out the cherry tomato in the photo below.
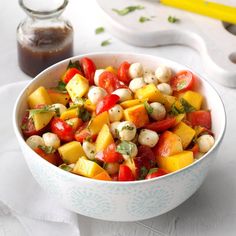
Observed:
{"x":147,"y":156}
{"x":89,"y":69}
{"x":63,"y":130}
{"x":108,"y":81}
{"x":194,"y":149}
{"x":155,"y":172}
{"x":162,"y":125}
{"x":53,"y":158}
{"x":183,"y":80}
{"x":70,"y":73}
{"x":85,"y":134}
{"x":125,"y":174}
{"x":123,"y":72}
{"x":111,"y":155}
{"x":200,"y":118}
{"x":27,"y":126}
{"x":107,"y":103}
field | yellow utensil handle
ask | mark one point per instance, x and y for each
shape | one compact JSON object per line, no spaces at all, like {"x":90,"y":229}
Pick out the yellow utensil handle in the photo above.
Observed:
{"x":207,"y":8}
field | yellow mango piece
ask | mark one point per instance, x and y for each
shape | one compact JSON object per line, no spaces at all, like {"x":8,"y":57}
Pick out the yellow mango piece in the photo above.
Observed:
{"x":97,"y":122}
{"x":169,"y":101}
{"x":77,"y":87}
{"x":111,"y":69}
{"x":71,"y":152}
{"x":38,"y":97}
{"x":103,"y":176}
{"x":179,"y":118}
{"x":69,"y":113}
{"x":193,"y":98}
{"x":89,"y":106}
{"x":57,"y":97}
{"x":185,"y":132}
{"x":42,"y":119}
{"x":104,"y":138}
{"x":137,"y":114}
{"x":176,"y":162}
{"x":150,"y":92}
{"x":133,"y":102}
{"x":74,"y":122}
{"x":87,"y":168}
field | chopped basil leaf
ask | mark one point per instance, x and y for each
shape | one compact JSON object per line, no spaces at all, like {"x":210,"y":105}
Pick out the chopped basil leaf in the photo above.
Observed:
{"x":143,"y":19}
{"x":61,"y":86}
{"x":24,"y":126}
{"x":47,"y":149}
{"x":143,"y":172}
{"x":127,"y":10}
{"x":153,"y":170}
{"x":45,"y":109}
{"x":128,"y":127}
{"x":148,"y":108}
{"x":84,"y":114}
{"x":99,"y":30}
{"x":172,"y":19}
{"x":187,"y":107}
{"x":75,"y":64}
{"x":125,"y":148}
{"x":181,"y":85}
{"x":105,"y":42}
{"x":65,"y":167}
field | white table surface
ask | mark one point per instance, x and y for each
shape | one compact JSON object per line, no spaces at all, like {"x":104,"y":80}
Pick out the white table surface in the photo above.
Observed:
{"x":211,"y":210}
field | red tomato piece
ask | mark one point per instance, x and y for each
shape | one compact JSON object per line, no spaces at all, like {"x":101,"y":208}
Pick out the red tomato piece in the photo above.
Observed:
{"x":27,"y":126}
{"x":63,"y":130}
{"x":200,"y":118}
{"x":162,"y":125}
{"x":125,"y":174}
{"x":89,"y":69}
{"x":194,"y":149}
{"x":107,"y":103}
{"x":155,"y":172}
{"x":123,"y":72}
{"x":108,"y":81}
{"x":183,"y":80}
{"x":70,"y":73}
{"x":53,"y":158}
{"x":85,"y":134}
{"x":110,"y":154}
{"x":147,"y":156}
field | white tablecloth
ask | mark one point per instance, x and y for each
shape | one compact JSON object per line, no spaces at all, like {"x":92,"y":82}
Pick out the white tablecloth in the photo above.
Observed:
{"x":211,"y":211}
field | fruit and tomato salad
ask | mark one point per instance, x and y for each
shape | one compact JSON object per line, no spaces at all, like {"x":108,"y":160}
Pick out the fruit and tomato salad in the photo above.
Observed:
{"x":119,"y":124}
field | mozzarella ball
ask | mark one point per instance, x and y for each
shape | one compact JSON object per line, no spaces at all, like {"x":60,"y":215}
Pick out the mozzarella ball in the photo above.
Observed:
{"x":97,"y":74}
{"x":148,"y":137}
{"x":95,"y":94}
{"x":136,"y":84}
{"x":205,"y":142}
{"x":158,"y":112}
{"x":136,"y":70}
{"x":133,"y":152}
{"x":163,"y":73}
{"x":124,"y":94}
{"x":150,"y":78}
{"x":60,"y":107}
{"x":126,"y":130}
{"x":34,"y":141}
{"x":165,"y":88}
{"x":89,"y":149}
{"x":51,"y":140}
{"x":115,"y":113}
{"x":113,"y":128}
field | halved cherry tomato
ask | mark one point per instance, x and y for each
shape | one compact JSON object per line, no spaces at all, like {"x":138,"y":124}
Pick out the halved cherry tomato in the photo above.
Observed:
{"x":125,"y":174}
{"x":109,"y":155}
{"x":53,"y":158}
{"x":89,"y":69}
{"x":107,"y":103}
{"x":155,"y":172}
{"x":183,"y":80}
{"x":162,"y":125}
{"x":147,"y":156}
{"x":85,"y":134}
{"x":109,"y":81}
{"x":27,"y":126}
{"x":63,"y":130}
{"x":123,"y":72}
{"x":194,"y":149}
{"x":70,"y":73}
{"x":200,"y":118}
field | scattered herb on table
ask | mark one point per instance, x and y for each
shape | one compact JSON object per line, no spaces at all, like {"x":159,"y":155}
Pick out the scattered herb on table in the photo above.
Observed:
{"x":105,"y":42}
{"x":127,"y":10}
{"x":143,"y":19}
{"x":99,"y":30}
{"x":172,"y":19}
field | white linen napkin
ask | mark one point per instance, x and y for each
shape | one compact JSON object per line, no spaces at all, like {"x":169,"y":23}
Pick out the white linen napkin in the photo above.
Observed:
{"x":19,"y":192}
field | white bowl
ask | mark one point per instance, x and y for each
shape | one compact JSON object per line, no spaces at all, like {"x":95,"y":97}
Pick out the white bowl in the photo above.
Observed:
{"x":119,"y":201}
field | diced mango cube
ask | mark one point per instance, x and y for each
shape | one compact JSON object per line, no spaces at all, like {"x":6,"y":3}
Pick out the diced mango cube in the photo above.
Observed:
{"x":87,"y":168}
{"x":169,"y":101}
{"x":195,"y":99}
{"x":38,"y":97}
{"x":69,"y":113}
{"x":71,"y":152}
{"x":42,"y":119}
{"x":103,"y":176}
{"x":58,"y":97}
{"x":133,"y":102}
{"x":77,"y":87}
{"x":111,"y":69}
{"x":104,"y":138}
{"x":176,"y":162}
{"x":89,"y":106}
{"x":185,"y":132}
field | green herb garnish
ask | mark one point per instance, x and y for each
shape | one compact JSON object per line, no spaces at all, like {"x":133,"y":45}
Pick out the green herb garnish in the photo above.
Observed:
{"x":128,"y":127}
{"x":61,"y":87}
{"x":148,"y":108}
{"x":127,"y":10}
{"x":84,"y":114}
{"x":105,"y":42}
{"x":45,"y":109}
{"x":143,"y":19}
{"x":65,"y":167}
{"x":143,"y":172}
{"x":75,"y":64}
{"x":172,"y":19}
{"x":125,"y":148}
{"x":153,"y":170}
{"x":187,"y":106}
{"x":99,"y":30}
{"x":47,"y":149}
